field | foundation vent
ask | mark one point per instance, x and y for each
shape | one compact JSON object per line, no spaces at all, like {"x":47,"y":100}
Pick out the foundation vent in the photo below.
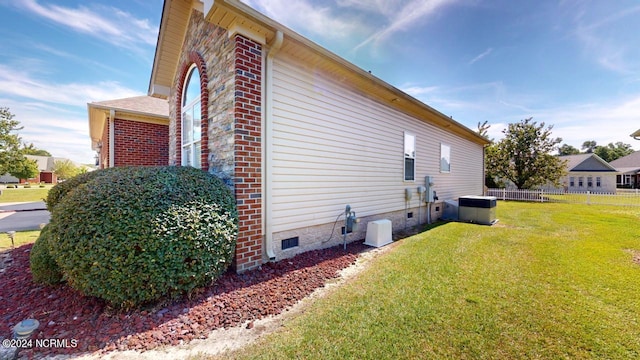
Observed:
{"x":290,"y":243}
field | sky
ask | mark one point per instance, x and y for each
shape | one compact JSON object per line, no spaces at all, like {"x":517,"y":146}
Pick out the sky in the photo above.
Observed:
{"x":572,"y":64}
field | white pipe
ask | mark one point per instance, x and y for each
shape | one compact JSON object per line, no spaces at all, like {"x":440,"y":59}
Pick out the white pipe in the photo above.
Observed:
{"x":268,"y":144}
{"x":112,"y":137}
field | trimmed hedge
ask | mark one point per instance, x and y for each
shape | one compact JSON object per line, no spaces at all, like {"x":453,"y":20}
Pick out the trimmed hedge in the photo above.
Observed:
{"x":61,"y":189}
{"x":44,"y":268}
{"x":135,"y":235}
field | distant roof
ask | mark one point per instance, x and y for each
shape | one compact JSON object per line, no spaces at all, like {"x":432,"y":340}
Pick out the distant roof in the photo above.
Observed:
{"x":587,"y":162}
{"x":46,"y":163}
{"x":138,"y":104}
{"x":629,"y":161}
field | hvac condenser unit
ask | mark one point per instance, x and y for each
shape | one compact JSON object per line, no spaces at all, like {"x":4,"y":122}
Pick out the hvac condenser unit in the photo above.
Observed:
{"x":477,"y":209}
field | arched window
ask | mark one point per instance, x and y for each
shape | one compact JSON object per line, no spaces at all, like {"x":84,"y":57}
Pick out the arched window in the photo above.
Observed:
{"x":191,"y":118}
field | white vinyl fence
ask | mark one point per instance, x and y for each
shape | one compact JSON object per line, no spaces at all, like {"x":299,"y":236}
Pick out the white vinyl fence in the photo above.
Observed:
{"x":620,"y":197}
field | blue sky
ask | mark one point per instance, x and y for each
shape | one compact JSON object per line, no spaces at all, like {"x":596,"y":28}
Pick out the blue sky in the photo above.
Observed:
{"x":574,"y":64}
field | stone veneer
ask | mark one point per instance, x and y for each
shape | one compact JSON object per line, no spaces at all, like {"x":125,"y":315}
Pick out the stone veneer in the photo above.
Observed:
{"x":230,"y":77}
{"x":210,"y":48}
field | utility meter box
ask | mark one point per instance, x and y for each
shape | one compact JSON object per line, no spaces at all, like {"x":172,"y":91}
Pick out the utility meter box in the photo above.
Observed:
{"x":477,"y":209}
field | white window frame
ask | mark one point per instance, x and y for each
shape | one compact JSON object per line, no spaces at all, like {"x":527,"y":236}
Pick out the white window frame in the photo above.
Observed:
{"x":598,"y":181}
{"x":191,"y":147}
{"x":580,"y":181}
{"x":445,"y":154}
{"x":409,"y":153}
{"x":589,"y":181}
{"x":572,"y":181}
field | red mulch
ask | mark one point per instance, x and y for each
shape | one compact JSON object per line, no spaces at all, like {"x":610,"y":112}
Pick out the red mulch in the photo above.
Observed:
{"x":234,"y":299}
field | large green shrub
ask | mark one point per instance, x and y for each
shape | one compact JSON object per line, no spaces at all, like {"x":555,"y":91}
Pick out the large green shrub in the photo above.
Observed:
{"x":134,"y":235}
{"x":44,"y":268}
{"x":61,"y":189}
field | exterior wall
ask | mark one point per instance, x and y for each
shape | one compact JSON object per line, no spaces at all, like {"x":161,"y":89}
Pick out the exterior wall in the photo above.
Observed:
{"x":248,"y":152}
{"x":334,"y":146}
{"x":210,"y":48}
{"x":140,"y":143}
{"x":230,"y":72}
{"x":319,"y":236}
{"x":608,"y":183}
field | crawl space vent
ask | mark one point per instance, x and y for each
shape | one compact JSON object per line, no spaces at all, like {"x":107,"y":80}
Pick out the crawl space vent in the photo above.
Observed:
{"x":290,"y":243}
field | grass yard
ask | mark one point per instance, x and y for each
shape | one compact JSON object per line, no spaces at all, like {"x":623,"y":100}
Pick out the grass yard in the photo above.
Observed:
{"x":21,"y":194}
{"x":21,"y":238}
{"x":550,"y":281}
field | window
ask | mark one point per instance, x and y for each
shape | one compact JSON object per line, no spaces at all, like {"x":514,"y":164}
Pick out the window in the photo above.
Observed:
{"x":589,"y":181}
{"x":598,"y":181}
{"x":572,"y":181}
{"x":191,"y":114}
{"x":580,"y":181}
{"x":445,"y":158}
{"x":409,"y":157}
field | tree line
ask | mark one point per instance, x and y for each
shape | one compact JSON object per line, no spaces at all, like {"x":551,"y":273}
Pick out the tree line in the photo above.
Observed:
{"x":524,"y":156}
{"x":13,"y":152}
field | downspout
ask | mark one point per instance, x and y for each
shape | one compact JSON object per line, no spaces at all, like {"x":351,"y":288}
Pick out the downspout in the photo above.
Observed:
{"x":112,"y":137}
{"x":268,"y":143}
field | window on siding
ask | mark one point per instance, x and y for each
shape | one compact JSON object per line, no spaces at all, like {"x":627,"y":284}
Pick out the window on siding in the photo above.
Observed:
{"x":191,"y":118}
{"x":409,"y":157}
{"x":572,"y":181}
{"x":445,"y":158}
{"x":598,"y":181}
{"x":589,"y":181}
{"x":580,"y":181}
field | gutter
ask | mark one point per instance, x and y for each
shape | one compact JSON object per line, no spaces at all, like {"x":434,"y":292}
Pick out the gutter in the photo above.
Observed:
{"x":268,"y":143}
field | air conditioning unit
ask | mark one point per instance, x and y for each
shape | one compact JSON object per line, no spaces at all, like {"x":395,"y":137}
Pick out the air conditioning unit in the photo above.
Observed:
{"x":477,"y":209}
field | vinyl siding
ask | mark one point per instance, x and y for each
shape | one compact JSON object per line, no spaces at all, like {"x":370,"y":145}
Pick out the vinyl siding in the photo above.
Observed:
{"x":333,"y":146}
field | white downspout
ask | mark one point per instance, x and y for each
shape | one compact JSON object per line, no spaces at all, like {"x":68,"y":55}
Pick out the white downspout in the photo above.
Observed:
{"x":112,"y":118}
{"x":268,"y":144}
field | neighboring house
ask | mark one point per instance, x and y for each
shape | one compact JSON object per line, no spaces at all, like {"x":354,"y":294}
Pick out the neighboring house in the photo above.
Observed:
{"x":298,"y":132}
{"x":589,"y":172}
{"x":45,"y":167}
{"x":130,"y":131}
{"x":629,"y":167}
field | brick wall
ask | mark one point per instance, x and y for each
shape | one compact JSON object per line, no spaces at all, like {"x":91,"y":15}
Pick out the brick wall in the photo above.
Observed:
{"x":248,"y":152}
{"x":140,"y":143}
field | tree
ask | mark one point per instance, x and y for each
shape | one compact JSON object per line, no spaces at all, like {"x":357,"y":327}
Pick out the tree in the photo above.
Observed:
{"x":613,"y":151}
{"x":10,"y":153}
{"x":24,"y":169}
{"x":65,"y":169}
{"x":567,"y":149}
{"x":524,"y":157}
{"x":483,"y":129}
{"x":589,"y":146}
{"x":32,"y":150}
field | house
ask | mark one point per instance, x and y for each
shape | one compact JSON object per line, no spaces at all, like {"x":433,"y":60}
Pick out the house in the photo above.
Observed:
{"x":298,"y":132}
{"x":629,"y":167}
{"x":45,"y":166}
{"x":130,"y":131}
{"x":589,"y":172}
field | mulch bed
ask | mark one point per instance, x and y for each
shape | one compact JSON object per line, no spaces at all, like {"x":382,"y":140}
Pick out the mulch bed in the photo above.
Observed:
{"x":234,"y":299}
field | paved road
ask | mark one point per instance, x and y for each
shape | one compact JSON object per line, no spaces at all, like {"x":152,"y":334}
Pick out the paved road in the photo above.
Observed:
{"x":23,"y":216}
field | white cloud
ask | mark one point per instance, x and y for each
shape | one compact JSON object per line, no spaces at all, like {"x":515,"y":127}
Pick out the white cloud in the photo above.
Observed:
{"x":108,"y":24}
{"x":605,"y":37}
{"x":18,"y":82}
{"x":479,"y":57}
{"x":303,"y":15}
{"x":405,"y":15}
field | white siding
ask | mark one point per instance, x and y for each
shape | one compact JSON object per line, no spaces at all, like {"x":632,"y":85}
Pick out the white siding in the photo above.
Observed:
{"x":333,"y":146}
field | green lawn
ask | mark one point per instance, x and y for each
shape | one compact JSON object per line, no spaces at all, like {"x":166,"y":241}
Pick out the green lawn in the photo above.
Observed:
{"x":21,"y":194}
{"x":549,"y":281}
{"x":21,"y":238}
